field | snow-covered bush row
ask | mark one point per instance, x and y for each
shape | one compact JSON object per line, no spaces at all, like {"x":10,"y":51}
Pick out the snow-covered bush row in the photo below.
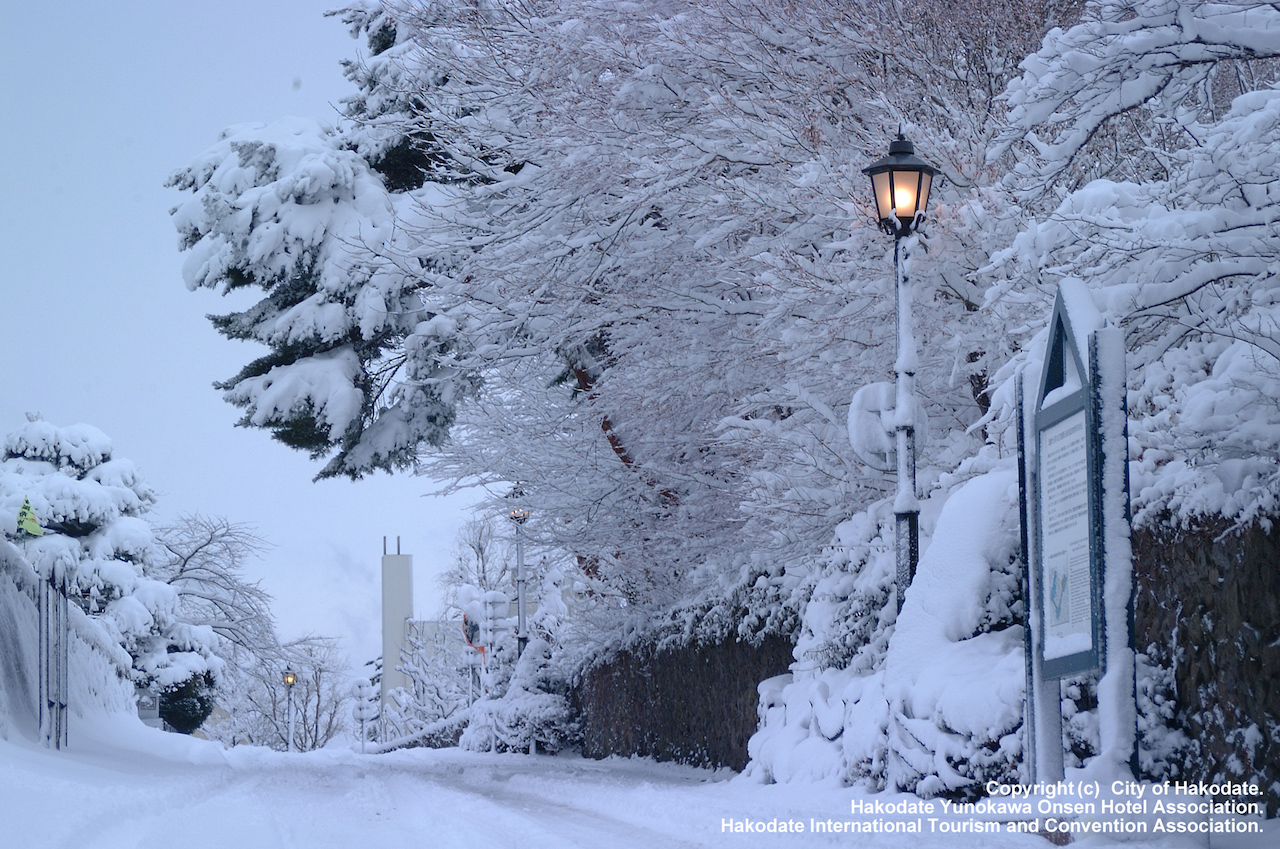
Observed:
{"x":932,"y":704}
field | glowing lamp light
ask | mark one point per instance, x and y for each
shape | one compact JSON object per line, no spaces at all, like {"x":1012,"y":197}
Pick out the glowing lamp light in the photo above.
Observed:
{"x":900,"y":183}
{"x":289,"y":677}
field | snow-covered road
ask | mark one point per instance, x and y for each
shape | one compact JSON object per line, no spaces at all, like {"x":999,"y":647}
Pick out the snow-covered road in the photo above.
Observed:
{"x":147,"y":789}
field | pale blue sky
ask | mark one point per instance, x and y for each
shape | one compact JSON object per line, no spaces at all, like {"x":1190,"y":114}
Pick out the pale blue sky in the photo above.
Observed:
{"x":100,"y":102}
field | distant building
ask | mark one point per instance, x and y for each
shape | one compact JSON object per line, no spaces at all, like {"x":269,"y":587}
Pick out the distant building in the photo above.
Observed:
{"x":397,"y":610}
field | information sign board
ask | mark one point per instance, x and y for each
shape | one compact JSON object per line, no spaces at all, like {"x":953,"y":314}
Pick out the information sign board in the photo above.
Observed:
{"x":1068,"y":517}
{"x":1067,"y":598}
{"x":1073,"y":499}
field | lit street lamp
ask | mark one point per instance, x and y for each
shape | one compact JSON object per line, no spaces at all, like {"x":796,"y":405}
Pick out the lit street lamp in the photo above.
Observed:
{"x":901,"y":183}
{"x":289,"y":680}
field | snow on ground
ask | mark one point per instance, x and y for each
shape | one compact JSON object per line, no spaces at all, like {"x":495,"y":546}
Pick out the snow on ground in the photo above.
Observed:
{"x":123,"y":785}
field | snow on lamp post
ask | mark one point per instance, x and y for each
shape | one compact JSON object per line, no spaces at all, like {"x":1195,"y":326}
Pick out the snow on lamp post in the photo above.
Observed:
{"x":901,"y":183}
{"x":289,"y":680}
{"x":519,"y":515}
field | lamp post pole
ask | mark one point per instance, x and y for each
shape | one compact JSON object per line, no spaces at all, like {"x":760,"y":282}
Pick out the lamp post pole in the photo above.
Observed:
{"x":901,"y":182}
{"x":519,"y":516}
{"x":289,"y":679}
{"x":906,"y":504}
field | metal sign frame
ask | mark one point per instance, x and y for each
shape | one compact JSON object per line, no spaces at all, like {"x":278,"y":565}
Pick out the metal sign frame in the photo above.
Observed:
{"x":1073,"y":452}
{"x":1063,"y":354}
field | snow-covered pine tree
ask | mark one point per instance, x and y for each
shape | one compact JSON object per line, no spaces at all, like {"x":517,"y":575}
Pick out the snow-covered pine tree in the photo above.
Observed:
{"x":100,"y":549}
{"x":361,"y":367}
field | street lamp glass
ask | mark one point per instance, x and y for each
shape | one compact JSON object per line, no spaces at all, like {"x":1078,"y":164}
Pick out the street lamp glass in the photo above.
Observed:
{"x":900,"y":182}
{"x":289,"y":677}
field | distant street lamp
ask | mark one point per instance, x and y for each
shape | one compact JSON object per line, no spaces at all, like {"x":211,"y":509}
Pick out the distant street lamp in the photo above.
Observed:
{"x":519,"y":515}
{"x":901,"y":183}
{"x":289,"y":680}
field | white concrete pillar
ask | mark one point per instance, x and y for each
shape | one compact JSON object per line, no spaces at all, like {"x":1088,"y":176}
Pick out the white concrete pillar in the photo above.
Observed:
{"x":397,"y":608}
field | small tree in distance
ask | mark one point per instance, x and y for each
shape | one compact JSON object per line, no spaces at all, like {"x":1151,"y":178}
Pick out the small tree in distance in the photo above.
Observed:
{"x":205,"y":558}
{"x":256,"y":699}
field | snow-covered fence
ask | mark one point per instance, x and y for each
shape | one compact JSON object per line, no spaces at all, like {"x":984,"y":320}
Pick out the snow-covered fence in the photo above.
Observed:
{"x":91,"y":671}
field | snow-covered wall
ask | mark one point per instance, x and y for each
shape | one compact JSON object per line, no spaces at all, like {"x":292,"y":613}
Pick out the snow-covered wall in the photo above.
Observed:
{"x":97,"y":667}
{"x":18,"y":648}
{"x":1208,"y":623}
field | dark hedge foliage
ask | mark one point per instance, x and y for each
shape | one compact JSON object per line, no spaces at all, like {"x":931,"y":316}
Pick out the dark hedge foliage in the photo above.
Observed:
{"x":1208,"y":609}
{"x":186,"y":706}
{"x":694,"y":704}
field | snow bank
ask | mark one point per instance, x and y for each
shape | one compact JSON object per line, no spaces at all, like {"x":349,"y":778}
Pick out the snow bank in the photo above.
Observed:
{"x":939,"y":709}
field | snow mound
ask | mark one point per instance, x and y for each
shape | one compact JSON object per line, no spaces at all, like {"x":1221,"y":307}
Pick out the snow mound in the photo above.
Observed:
{"x":939,"y":711}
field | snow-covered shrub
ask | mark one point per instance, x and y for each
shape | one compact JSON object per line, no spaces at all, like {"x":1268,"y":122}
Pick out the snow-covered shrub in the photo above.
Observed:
{"x":954,"y":672}
{"x":828,"y":719}
{"x":1163,"y":748}
{"x":937,"y":709}
{"x":185,"y":706}
{"x":1081,"y":739}
{"x":533,"y":709}
{"x":525,"y":697}
{"x":443,"y":674}
{"x":489,"y":698}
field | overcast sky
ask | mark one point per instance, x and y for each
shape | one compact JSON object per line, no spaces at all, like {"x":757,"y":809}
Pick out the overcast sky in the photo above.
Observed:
{"x":100,"y":102}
